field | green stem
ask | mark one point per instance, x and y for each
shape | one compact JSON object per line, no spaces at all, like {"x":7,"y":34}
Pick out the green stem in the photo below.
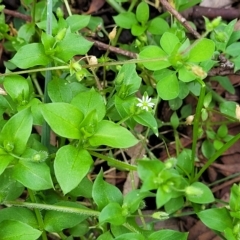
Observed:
{"x":132,"y":5}
{"x":33,"y":11}
{"x":37,"y":86}
{"x":196,"y":121}
{"x":38,"y":215}
{"x":124,"y":120}
{"x":86,"y":66}
{"x":226,"y":146}
{"x":116,"y":163}
{"x":116,"y":6}
{"x":35,"y":70}
{"x":62,"y":235}
{"x":224,"y":179}
{"x":68,"y":8}
{"x":45,"y":138}
{"x":80,"y":211}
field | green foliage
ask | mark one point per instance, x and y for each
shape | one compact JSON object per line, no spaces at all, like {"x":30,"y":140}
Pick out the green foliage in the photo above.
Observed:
{"x":64,"y":112}
{"x":76,"y":162}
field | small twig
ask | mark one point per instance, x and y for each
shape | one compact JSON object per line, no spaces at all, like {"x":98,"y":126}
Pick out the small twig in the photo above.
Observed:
{"x":225,"y":13}
{"x":17,"y":15}
{"x":113,"y":49}
{"x":225,"y":184}
{"x":180,"y":18}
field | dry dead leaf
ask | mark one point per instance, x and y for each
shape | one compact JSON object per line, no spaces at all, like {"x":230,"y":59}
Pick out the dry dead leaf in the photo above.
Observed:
{"x":95,"y":6}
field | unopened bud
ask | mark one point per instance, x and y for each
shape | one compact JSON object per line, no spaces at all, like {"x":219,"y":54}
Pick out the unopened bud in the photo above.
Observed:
{"x":93,"y":60}
{"x":8,"y":146}
{"x":237,"y":112}
{"x":170,"y":163}
{"x":112,"y":34}
{"x":216,"y":22}
{"x":76,"y":66}
{"x":160,"y":215}
{"x":61,"y":34}
{"x":198,"y":71}
{"x":40,"y":156}
{"x":189,"y":120}
{"x":59,"y":13}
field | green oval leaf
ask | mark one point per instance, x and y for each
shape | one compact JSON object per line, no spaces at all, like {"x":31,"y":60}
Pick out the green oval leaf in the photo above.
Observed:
{"x":168,"y":87}
{"x":168,"y":42}
{"x":217,"y":219}
{"x":63,"y":118}
{"x":30,"y":55}
{"x":15,"y":230}
{"x":5,"y":160}
{"x":228,"y":108}
{"x":151,"y":53}
{"x":59,"y":90}
{"x":147,"y":119}
{"x":127,"y":236}
{"x":89,"y":101}
{"x":104,"y":193}
{"x":17,"y":87}
{"x":202,"y":50}
{"x":106,"y":135}
{"x":55,"y":221}
{"x":158,"y":26}
{"x":168,"y":234}
{"x":72,"y":44}
{"x":35,"y":176}
{"x":77,"y":22}
{"x":71,"y":165}
{"x":205,"y":195}
{"x":233,"y":49}
{"x":17,"y":131}
{"x":10,"y":189}
{"x":142,"y":12}
{"x":23,"y":215}
{"x":112,"y":213}
{"x":125,"y":20}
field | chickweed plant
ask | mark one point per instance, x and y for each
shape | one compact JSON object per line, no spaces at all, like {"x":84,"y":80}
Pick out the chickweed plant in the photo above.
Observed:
{"x":62,"y":117}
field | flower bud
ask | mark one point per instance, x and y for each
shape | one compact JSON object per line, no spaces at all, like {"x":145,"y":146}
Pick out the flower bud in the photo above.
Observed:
{"x":216,"y":21}
{"x":170,"y":163}
{"x":112,"y":34}
{"x":61,"y":34}
{"x":160,"y":215}
{"x":221,"y":36}
{"x":198,"y":71}
{"x":93,"y":60}
{"x":8,"y":146}
{"x":189,"y":120}
{"x":237,"y":112}
{"x":76,"y":66}
{"x":40,"y":156}
{"x":59,"y":13}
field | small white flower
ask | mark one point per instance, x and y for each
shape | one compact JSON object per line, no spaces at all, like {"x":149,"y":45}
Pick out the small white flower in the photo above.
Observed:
{"x":145,"y":103}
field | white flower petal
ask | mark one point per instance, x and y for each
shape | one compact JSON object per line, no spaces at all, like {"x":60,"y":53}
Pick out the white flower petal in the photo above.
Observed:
{"x":145,"y":103}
